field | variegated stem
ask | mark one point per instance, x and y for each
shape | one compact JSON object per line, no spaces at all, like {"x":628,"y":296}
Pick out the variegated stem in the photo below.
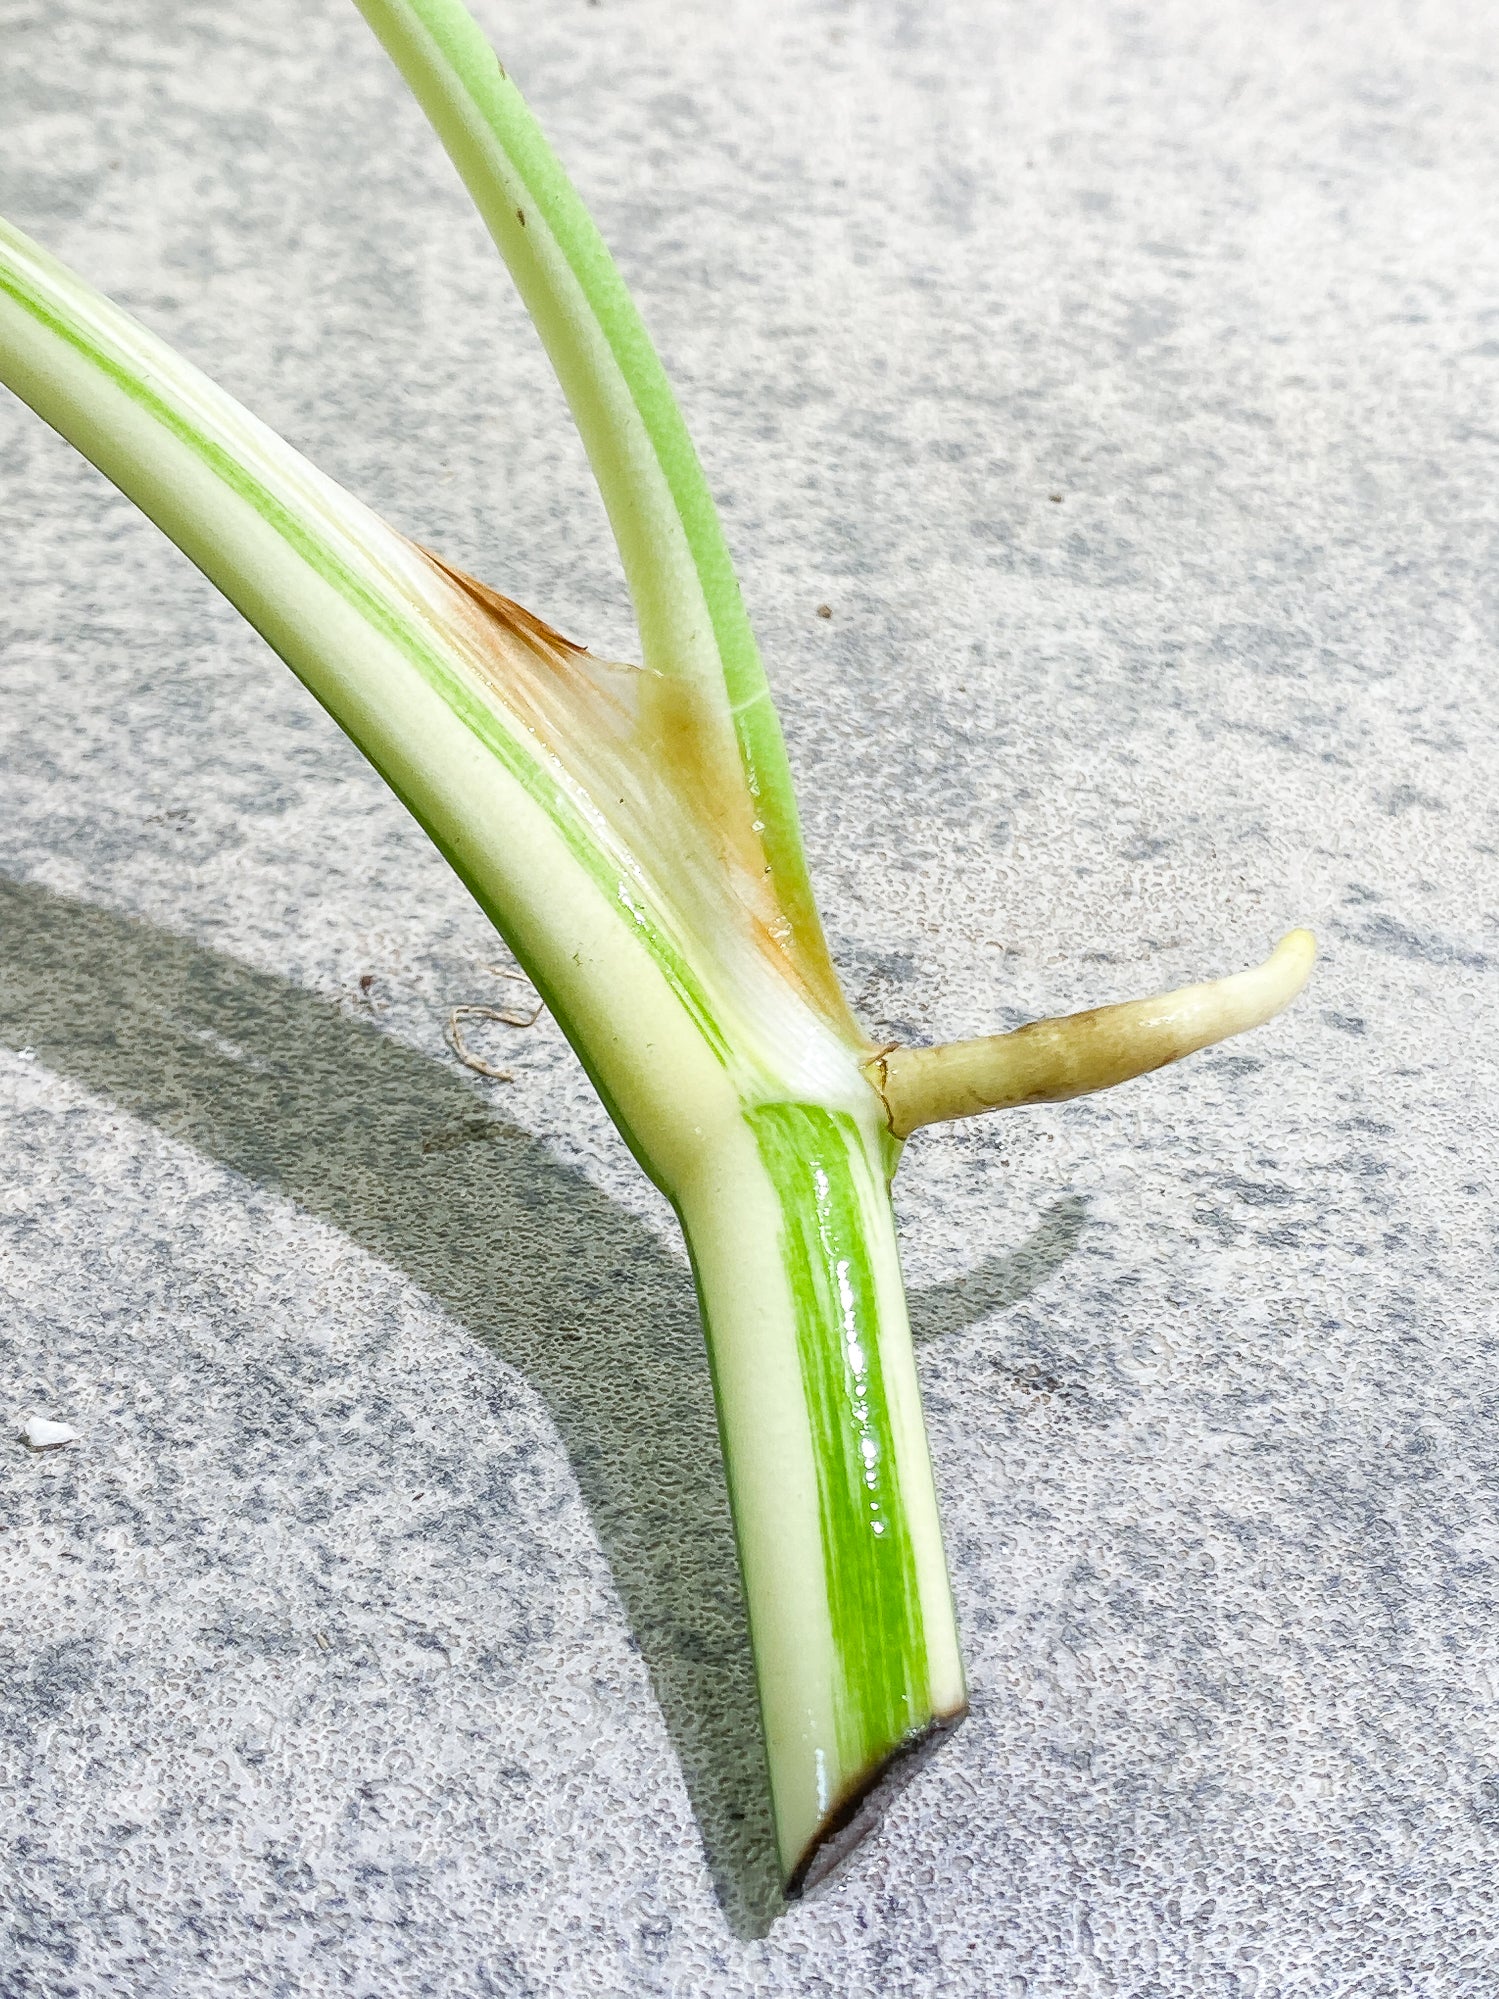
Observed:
{"x":830,"y":1480}
{"x":688,"y":606}
{"x":724,"y":1075}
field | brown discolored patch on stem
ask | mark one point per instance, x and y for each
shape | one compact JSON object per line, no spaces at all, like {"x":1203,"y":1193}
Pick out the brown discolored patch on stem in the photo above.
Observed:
{"x":525,"y":624}
{"x":647,"y":749}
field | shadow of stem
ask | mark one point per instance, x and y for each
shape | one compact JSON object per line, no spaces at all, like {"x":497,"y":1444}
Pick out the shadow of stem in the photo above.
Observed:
{"x":944,"y":1309}
{"x":405,"y":1156}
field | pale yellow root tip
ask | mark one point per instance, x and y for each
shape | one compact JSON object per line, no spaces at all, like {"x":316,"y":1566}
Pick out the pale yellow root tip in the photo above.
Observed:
{"x":1051,"y":1060}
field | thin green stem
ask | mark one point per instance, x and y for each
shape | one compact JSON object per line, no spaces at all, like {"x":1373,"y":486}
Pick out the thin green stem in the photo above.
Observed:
{"x":688,"y":603}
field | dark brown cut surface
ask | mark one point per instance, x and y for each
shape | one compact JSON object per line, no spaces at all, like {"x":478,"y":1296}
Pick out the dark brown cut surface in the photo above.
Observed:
{"x":857,"y":1814}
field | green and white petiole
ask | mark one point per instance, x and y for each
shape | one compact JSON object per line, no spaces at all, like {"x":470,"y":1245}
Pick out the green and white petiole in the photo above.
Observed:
{"x":632,"y":832}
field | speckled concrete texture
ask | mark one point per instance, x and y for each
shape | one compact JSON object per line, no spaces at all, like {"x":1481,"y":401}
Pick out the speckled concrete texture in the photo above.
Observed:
{"x":1123,"y":378}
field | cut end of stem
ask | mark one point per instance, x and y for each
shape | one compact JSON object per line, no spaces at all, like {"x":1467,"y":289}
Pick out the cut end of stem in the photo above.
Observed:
{"x":864,"y":1805}
{"x":1051,"y":1060}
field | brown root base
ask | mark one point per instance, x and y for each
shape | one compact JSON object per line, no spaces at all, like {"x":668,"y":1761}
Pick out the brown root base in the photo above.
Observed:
{"x":861,"y":1810}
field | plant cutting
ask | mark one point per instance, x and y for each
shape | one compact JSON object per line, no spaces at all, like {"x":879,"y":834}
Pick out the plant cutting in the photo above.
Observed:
{"x":632,"y":832}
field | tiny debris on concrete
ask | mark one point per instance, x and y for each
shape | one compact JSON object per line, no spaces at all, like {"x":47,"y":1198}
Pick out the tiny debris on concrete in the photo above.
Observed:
{"x":40,"y":1433}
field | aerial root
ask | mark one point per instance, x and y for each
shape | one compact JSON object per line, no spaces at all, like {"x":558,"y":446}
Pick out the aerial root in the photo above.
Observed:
{"x":1051,"y":1060}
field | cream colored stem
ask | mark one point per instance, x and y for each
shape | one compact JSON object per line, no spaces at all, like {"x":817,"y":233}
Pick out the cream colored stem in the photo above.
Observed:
{"x":1051,"y":1060}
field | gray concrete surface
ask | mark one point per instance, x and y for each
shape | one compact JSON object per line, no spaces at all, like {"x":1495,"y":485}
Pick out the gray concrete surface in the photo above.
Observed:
{"x":1124,"y":380}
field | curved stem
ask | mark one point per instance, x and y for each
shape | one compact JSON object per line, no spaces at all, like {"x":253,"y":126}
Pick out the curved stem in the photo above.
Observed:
{"x":688,"y":605}
{"x":1051,"y":1060}
{"x":755,"y":1120}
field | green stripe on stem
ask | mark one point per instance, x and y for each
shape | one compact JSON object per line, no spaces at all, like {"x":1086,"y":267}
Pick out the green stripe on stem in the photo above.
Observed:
{"x":688,"y":603}
{"x":756,"y":1121}
{"x":366,"y":596}
{"x":814,"y":1157}
{"x":856,"y":1653}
